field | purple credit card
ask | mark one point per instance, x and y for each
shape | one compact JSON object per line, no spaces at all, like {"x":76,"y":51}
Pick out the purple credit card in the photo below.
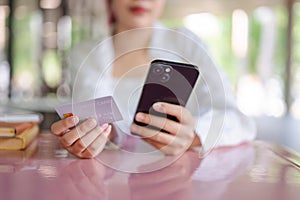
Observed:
{"x":104,"y":110}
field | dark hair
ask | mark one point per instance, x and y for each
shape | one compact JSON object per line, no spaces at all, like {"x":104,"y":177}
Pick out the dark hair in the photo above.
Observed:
{"x":111,"y":17}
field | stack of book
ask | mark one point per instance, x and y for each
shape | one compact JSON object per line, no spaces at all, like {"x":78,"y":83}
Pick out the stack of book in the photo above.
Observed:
{"x":17,"y":128}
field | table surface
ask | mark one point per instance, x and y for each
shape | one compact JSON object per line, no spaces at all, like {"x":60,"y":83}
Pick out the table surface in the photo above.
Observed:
{"x":256,"y":170}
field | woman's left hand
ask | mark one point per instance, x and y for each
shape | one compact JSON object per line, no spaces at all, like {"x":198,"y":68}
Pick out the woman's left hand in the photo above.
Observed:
{"x":180,"y":136}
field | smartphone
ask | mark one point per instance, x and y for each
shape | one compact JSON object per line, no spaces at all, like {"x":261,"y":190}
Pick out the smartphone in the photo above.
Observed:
{"x":166,"y":81}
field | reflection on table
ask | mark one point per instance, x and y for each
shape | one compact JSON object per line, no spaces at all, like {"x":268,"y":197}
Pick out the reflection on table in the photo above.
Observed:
{"x":250,"y":171}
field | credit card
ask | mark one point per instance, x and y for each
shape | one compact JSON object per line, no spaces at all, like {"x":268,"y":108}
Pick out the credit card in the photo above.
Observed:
{"x":104,"y":110}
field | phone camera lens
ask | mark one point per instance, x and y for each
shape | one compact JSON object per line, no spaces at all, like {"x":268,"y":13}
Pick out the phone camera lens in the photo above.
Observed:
{"x":165,"y":78}
{"x":158,"y":70}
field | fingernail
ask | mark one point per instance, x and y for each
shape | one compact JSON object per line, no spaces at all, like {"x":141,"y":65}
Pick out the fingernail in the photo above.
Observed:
{"x":133,"y":128}
{"x":107,"y":131}
{"x":104,"y":126}
{"x":158,"y":106}
{"x":73,"y":119}
{"x":91,"y":123}
{"x":140,"y":116}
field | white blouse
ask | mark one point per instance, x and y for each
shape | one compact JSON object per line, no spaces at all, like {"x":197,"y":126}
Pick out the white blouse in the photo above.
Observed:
{"x":212,"y":103}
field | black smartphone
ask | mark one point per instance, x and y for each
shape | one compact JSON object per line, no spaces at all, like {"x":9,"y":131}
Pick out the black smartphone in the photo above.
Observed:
{"x":166,"y":81}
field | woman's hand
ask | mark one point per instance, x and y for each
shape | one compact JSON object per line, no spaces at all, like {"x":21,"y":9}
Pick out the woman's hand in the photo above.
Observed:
{"x":180,"y":136}
{"x":84,"y":140}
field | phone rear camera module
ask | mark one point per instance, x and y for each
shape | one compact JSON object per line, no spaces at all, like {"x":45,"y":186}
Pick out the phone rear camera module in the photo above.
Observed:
{"x":165,"y":78}
{"x":167,"y":69}
{"x":158,"y":69}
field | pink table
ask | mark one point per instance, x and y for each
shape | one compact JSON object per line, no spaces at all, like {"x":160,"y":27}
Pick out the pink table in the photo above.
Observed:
{"x":250,"y":171}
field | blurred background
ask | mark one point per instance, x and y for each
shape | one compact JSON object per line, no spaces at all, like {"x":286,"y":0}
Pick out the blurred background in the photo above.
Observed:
{"x":256,"y":42}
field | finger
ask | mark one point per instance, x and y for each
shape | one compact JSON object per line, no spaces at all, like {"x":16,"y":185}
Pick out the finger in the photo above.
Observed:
{"x":181,"y":113}
{"x":159,"y":122}
{"x":172,"y":127}
{"x":70,"y":137}
{"x":155,"y":144}
{"x":81,"y":144}
{"x":155,"y":135}
{"x":61,"y":126}
{"x":97,"y":145}
{"x":181,"y":141}
{"x":174,"y":148}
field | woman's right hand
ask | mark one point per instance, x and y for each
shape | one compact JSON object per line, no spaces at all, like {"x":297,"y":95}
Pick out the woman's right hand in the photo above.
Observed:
{"x":84,"y":140}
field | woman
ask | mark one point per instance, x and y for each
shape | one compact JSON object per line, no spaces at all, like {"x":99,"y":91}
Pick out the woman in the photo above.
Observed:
{"x":210,"y":118}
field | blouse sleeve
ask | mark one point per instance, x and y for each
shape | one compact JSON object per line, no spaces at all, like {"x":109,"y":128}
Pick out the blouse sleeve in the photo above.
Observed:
{"x":218,"y":120}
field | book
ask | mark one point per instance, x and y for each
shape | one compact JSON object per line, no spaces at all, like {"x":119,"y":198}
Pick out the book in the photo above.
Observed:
{"x":20,"y":141}
{"x":8,"y":129}
{"x":14,"y":115}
